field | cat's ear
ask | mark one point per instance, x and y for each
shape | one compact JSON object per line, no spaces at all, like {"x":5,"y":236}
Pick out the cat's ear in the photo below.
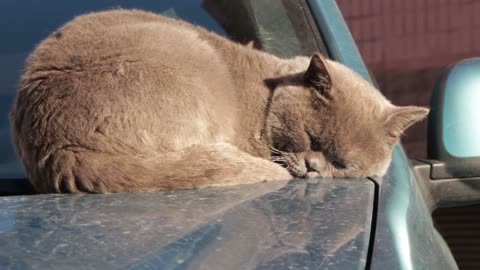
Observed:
{"x":317,"y":74}
{"x":398,"y":119}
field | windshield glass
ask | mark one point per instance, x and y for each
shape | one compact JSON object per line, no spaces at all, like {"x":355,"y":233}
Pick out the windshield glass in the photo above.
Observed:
{"x":280,"y":27}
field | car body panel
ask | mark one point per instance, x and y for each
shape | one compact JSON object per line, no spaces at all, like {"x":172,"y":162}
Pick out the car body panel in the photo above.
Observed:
{"x":405,"y":237}
{"x":319,"y":223}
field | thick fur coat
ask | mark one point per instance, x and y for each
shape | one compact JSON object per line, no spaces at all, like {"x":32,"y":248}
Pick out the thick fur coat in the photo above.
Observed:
{"x":127,"y":100}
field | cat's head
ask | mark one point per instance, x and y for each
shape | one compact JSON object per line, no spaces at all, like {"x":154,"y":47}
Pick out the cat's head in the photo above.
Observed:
{"x":329,"y":121}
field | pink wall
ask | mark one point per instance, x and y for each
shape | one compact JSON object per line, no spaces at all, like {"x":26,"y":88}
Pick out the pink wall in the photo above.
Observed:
{"x":413,"y":33}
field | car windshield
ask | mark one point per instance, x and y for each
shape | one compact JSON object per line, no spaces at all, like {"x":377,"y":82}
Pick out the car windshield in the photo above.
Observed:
{"x":280,"y":27}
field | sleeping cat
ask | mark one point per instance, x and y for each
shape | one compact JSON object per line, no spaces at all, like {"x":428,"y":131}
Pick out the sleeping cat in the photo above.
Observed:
{"x":127,"y":100}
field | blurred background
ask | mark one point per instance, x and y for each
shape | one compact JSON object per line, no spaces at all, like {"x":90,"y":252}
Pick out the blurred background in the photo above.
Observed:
{"x":407,"y":44}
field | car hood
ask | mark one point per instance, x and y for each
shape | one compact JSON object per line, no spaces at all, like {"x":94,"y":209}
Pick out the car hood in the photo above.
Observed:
{"x":303,"y":224}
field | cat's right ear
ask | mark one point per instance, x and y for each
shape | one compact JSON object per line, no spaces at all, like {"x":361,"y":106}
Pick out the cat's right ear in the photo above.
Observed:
{"x":317,"y":75}
{"x":398,"y":119}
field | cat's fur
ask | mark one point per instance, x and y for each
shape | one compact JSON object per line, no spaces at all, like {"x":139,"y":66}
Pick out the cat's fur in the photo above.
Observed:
{"x":127,"y":100}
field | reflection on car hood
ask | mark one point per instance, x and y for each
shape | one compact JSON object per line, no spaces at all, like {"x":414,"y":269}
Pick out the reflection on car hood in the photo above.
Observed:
{"x":314,"y":224}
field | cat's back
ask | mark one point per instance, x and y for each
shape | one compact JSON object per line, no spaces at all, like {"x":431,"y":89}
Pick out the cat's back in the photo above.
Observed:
{"x":100,"y":39}
{"x":137,"y":77}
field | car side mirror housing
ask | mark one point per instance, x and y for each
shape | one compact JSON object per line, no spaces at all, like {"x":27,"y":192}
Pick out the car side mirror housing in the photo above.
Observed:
{"x":454,"y":122}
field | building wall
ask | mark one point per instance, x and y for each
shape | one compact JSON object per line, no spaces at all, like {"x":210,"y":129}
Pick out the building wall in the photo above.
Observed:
{"x":407,"y":43}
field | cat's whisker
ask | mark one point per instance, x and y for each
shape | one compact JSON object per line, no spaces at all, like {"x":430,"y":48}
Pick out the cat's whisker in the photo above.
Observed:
{"x":275,"y":150}
{"x":279,"y":159}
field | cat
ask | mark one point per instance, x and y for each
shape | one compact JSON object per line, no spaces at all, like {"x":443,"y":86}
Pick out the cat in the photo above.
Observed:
{"x":128,"y":100}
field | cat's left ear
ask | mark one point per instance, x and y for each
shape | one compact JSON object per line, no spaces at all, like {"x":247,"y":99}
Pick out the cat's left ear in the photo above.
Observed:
{"x":398,"y":119}
{"x":317,"y":74}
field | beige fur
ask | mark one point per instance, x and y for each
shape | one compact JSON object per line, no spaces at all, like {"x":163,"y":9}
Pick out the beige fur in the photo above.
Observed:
{"x":127,"y":100}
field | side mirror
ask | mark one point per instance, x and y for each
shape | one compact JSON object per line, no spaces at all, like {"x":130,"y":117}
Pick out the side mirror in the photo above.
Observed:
{"x":454,"y":122}
{"x":451,"y":174}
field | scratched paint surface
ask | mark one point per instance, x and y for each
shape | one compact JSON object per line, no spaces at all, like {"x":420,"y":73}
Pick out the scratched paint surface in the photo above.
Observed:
{"x":315,"y":224}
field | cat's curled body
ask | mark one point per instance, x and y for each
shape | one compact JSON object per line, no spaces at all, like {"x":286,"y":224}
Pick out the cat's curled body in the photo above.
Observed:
{"x":127,"y":100}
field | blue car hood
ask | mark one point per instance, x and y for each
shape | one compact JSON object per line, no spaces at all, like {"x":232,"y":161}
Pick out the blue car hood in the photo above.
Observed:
{"x":303,"y":224}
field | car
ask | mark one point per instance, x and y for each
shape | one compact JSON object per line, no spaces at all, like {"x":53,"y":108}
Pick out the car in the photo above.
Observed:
{"x":321,"y":223}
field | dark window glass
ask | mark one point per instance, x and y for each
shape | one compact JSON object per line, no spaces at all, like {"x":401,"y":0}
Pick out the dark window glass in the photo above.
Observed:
{"x":280,"y":27}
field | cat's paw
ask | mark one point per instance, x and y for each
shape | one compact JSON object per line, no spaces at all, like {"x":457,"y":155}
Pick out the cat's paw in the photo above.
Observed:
{"x":270,"y":171}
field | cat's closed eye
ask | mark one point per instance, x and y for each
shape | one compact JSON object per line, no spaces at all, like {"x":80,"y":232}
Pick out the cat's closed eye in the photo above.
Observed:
{"x":338,"y":164}
{"x":315,"y":144}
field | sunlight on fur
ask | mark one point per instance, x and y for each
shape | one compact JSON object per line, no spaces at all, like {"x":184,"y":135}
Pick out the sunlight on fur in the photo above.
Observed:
{"x":127,"y":100}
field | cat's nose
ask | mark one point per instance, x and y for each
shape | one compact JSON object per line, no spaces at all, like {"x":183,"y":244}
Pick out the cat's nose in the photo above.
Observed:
{"x":312,"y":165}
{"x":312,"y":168}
